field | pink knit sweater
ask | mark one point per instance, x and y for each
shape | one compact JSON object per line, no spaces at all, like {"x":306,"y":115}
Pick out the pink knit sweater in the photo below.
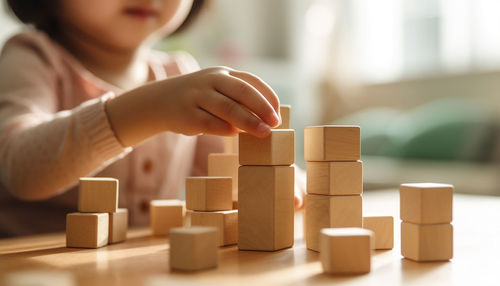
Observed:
{"x":54,"y":130}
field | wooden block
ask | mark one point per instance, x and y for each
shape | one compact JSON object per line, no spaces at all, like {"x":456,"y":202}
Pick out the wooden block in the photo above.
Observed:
{"x":209,"y":193}
{"x":266,"y":207}
{"x":383,"y":229}
{"x":334,"y":178}
{"x":118,"y":225}
{"x":345,"y":250}
{"x":193,"y":248}
{"x":330,"y":212}
{"x":225,"y":165}
{"x":426,"y":203}
{"x":235,"y":205}
{"x":427,"y":242}
{"x":332,"y":143}
{"x":87,"y":230}
{"x":231,"y":144}
{"x":98,"y":195}
{"x":285,"y":117}
{"x":276,"y":149}
{"x":165,"y":214}
{"x":226,"y":223}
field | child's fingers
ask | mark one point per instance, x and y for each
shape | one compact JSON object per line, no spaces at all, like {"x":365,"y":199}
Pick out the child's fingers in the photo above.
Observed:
{"x":229,"y":110}
{"x":247,"y":95}
{"x":211,"y":124}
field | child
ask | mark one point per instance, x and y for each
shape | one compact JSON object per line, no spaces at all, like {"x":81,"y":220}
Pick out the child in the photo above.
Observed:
{"x":84,"y":95}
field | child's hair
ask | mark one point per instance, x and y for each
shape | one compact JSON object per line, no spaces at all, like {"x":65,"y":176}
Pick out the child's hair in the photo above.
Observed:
{"x":42,"y":14}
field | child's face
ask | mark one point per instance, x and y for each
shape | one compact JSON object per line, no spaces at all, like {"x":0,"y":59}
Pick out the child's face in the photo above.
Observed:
{"x":123,"y":24}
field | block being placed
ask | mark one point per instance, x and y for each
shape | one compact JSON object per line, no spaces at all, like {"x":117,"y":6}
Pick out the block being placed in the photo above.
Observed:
{"x":231,"y":144}
{"x":285,"y":117}
{"x":345,"y":250}
{"x":426,"y":203}
{"x":334,"y":178}
{"x":266,"y":207}
{"x":209,"y":193}
{"x":165,"y":214}
{"x":118,"y":225}
{"x":98,"y":195}
{"x":383,"y":229}
{"x":276,"y":149}
{"x":87,"y":230}
{"x":332,"y":143}
{"x":427,"y":242}
{"x":226,"y":223}
{"x":330,"y":212}
{"x":225,"y":165}
{"x":193,"y":248}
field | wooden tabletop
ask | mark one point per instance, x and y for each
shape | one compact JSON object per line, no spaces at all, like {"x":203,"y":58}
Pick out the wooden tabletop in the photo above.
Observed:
{"x":143,"y":260}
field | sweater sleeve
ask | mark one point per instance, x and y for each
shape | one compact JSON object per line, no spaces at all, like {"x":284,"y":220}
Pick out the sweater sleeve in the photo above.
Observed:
{"x":44,"y":151}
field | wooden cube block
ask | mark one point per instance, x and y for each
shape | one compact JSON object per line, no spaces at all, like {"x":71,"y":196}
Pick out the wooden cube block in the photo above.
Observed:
{"x":225,"y":165}
{"x":209,"y":193}
{"x":266,"y":207}
{"x":383,"y":229}
{"x":345,"y":250}
{"x":285,"y":117}
{"x":332,"y":143}
{"x":87,"y":230}
{"x":330,"y":212}
{"x":165,"y":214}
{"x":276,"y":149}
{"x":193,"y":248}
{"x":427,"y":242}
{"x":334,"y":178}
{"x":426,"y":203}
{"x":226,"y":223}
{"x":98,"y":195}
{"x":118,"y":225}
{"x":231,"y":144}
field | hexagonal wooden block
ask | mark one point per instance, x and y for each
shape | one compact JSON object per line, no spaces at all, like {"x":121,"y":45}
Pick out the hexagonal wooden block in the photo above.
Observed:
{"x":285,"y":117}
{"x":98,"y":195}
{"x":225,"y":165}
{"x":334,"y":178}
{"x":345,"y":250}
{"x":330,"y":212}
{"x":87,"y":230}
{"x":276,"y":149}
{"x":427,"y":242}
{"x":225,"y":221}
{"x":118,"y":225}
{"x":165,"y":214}
{"x":426,"y":203}
{"x":383,"y":229}
{"x":332,"y":143}
{"x":209,"y":193}
{"x":193,"y":248}
{"x":266,"y":207}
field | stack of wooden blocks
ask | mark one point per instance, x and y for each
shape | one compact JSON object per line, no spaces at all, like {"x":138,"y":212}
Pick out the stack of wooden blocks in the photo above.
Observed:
{"x":334,"y":180}
{"x":266,"y":189}
{"x":226,"y":165}
{"x":426,"y":214}
{"x":99,"y":221}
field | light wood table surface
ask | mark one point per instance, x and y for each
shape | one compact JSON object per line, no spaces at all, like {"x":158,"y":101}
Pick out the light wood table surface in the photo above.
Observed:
{"x":143,"y":260}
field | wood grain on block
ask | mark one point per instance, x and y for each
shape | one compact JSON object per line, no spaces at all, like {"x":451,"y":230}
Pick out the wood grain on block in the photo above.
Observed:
{"x":266,"y":207}
{"x":220,"y":164}
{"x":165,"y":214}
{"x":285,"y":117}
{"x":231,"y":144}
{"x":276,"y":149}
{"x":87,"y":230}
{"x":427,"y":242}
{"x":334,"y":178}
{"x":332,"y":143}
{"x":225,"y":221}
{"x":345,"y":250}
{"x":383,"y":229}
{"x":98,"y":195}
{"x":209,"y":193}
{"x":426,"y":203}
{"x":193,"y":248}
{"x":118,"y":225}
{"x":330,"y":212}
